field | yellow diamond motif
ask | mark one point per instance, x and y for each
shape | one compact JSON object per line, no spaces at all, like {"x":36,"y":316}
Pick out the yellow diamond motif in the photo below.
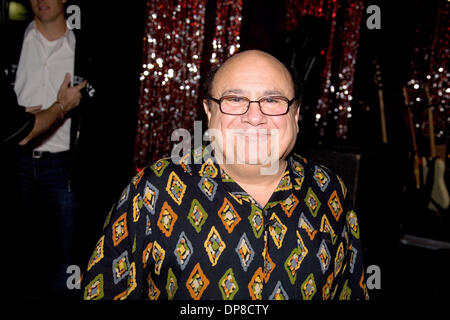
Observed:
{"x":176,"y":188}
{"x":214,"y":245}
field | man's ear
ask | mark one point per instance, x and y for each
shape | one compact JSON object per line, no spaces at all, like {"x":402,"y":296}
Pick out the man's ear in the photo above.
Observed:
{"x":207,"y":109}
{"x":297,"y":115}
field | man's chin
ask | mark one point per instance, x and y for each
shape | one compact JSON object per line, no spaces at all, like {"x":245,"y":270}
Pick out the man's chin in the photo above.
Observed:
{"x":253,"y":160}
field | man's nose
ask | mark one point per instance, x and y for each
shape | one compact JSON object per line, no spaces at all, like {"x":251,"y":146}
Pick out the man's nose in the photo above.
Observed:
{"x":254,"y":116}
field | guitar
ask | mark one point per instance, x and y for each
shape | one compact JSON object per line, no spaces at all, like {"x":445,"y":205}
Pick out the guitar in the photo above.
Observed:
{"x":379,"y":85}
{"x":439,"y":198}
{"x":413,"y":139}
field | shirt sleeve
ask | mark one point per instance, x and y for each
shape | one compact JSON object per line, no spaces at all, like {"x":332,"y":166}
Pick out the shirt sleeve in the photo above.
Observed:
{"x":351,"y":282}
{"x":117,"y":267}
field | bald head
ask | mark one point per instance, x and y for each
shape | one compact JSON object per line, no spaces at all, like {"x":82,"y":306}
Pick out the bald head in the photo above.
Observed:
{"x":252,"y":63}
{"x":264,"y":82}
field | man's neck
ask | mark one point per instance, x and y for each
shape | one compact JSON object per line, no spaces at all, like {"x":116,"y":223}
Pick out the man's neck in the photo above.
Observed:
{"x":259,"y":186}
{"x":52,"y":30}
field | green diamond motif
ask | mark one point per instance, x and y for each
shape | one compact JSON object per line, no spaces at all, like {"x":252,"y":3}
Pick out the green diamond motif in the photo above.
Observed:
{"x":256,"y":221}
{"x":228,"y":285}
{"x":352,"y":223}
{"x":346,"y":292}
{"x":270,"y":205}
{"x":94,"y":290}
{"x":172,"y":285}
{"x":308,"y":287}
{"x":159,"y":166}
{"x":134,"y":244}
{"x":292,"y":263}
{"x":197,"y":215}
{"x":108,"y":218}
{"x":312,"y":202}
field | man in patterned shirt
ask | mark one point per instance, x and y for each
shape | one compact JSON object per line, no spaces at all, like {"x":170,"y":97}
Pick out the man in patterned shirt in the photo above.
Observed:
{"x":243,"y":218}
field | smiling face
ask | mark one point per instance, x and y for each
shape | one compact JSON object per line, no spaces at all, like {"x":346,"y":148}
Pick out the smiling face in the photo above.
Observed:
{"x":47,"y":10}
{"x":253,"y":74}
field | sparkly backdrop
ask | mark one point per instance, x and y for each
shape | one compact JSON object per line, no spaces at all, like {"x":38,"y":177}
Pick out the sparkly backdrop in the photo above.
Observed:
{"x":173,"y":45}
{"x":334,"y":104}
{"x":227,"y":33}
{"x":173,"y":53}
{"x":429,"y":66}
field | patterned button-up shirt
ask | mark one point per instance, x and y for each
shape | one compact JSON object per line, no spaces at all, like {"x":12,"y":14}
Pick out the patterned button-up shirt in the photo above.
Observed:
{"x":188,"y":231}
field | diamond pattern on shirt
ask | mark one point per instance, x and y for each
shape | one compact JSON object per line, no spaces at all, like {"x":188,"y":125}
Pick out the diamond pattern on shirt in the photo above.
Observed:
{"x":189,"y":231}
{"x":214,"y":245}
{"x":229,"y":216}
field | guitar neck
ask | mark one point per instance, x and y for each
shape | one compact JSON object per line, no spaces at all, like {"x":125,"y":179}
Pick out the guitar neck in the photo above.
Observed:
{"x":382,"y":116}
{"x":430,"y":123}
{"x":379,"y":84}
{"x":431,"y":127}
{"x":413,"y":138}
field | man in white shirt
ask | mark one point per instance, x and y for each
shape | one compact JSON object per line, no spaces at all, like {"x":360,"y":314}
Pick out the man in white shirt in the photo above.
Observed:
{"x":48,"y":200}
{"x":48,"y":53}
{"x":20,"y":125}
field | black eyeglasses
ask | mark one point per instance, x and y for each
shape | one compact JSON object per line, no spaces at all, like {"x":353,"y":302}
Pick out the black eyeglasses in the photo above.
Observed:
{"x":269,"y":106}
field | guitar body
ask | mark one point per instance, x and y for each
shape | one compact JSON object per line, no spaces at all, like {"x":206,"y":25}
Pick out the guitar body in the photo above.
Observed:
{"x":439,"y":192}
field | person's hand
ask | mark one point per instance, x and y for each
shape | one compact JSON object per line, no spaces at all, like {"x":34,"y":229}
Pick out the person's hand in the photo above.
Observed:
{"x":70,"y":97}
{"x":34,"y":109}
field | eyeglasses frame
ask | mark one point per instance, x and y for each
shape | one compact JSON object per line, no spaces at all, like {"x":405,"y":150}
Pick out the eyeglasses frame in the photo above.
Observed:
{"x":219,"y":102}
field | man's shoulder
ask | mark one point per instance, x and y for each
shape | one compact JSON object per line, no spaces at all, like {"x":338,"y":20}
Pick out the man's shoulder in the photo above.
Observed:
{"x":319,"y":176}
{"x":312,"y":167}
{"x":160,"y":171}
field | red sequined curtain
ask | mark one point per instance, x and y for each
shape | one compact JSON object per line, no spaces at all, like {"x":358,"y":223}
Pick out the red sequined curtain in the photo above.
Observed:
{"x":429,"y":66}
{"x":227,"y":33}
{"x":338,"y":74}
{"x":170,"y":78}
{"x":173,"y":45}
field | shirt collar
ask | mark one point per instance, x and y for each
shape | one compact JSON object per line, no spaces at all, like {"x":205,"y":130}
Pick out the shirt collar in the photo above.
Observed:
{"x":29,"y":30}
{"x":68,"y":37}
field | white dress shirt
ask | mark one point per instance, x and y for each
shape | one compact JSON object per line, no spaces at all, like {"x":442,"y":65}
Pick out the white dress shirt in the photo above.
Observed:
{"x":42,"y":67}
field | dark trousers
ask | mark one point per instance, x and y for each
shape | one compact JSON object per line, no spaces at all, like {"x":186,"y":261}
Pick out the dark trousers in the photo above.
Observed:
{"x":48,"y":205}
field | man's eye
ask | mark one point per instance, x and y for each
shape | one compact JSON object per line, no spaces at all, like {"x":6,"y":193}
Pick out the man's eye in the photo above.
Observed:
{"x":271,"y":100}
{"x":235,"y":99}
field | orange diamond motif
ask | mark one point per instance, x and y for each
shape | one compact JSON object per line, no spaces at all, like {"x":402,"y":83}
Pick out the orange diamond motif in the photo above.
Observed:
{"x":153,"y":291}
{"x":146,"y":253}
{"x":288,"y":205}
{"x":326,"y":290}
{"x":98,"y":253}
{"x":255,"y":285}
{"x":335,"y":205}
{"x":228,"y":215}
{"x":167,"y":219}
{"x":119,"y":229}
{"x":197,"y":282}
{"x":269,"y":265}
